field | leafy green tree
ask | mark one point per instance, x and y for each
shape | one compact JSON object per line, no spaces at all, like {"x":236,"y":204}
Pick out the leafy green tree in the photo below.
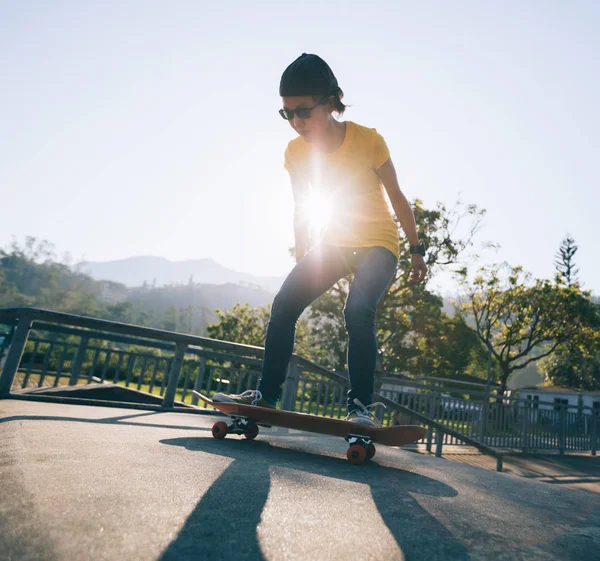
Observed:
{"x":564,"y":262}
{"x":10,"y":297}
{"x":28,"y":266}
{"x":575,"y":366}
{"x":449,"y":348}
{"x":242,"y":324}
{"x":122,"y":312}
{"x":248,"y":326}
{"x":407,"y":314}
{"x":147,"y":317}
{"x":523,"y":321}
{"x":170,"y":320}
{"x":576,"y":363}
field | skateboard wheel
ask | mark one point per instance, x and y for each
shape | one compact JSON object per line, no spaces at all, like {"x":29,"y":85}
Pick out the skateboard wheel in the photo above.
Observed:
{"x":356,"y":454}
{"x":252,"y":432}
{"x":219,"y":430}
{"x":371,"y":451}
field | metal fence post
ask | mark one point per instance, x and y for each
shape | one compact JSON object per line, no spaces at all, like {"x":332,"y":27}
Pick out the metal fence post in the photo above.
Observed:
{"x":290,"y":387}
{"x":562,"y":437}
{"x":174,"y":372}
{"x":15,"y":353}
{"x":524,"y":426}
{"x":199,"y":379}
{"x":5,"y":344}
{"x":485,"y":413}
{"x":432,"y":407}
{"x":439,"y":442}
{"x":488,"y":390}
{"x":429,"y":438}
{"x":78,"y":360}
{"x":594,"y":431}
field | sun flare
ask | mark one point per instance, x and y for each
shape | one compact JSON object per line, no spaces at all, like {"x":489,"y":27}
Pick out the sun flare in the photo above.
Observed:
{"x":318,"y":210}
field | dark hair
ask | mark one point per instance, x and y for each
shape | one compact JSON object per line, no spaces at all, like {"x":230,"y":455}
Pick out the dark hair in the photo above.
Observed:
{"x":338,"y":106}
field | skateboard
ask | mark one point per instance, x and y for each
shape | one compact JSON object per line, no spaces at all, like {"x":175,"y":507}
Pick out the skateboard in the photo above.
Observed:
{"x":245,"y":420}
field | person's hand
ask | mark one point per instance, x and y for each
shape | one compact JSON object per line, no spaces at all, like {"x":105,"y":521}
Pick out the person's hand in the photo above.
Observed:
{"x":419,"y":269}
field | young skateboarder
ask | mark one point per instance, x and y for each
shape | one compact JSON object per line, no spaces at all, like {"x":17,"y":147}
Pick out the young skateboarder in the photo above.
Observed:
{"x":349,"y":165}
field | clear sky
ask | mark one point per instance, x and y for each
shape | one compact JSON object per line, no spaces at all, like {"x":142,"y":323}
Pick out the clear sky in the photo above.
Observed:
{"x":151,"y":128}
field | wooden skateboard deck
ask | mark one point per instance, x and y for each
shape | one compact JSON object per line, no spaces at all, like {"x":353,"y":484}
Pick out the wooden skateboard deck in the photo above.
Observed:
{"x":356,"y":434}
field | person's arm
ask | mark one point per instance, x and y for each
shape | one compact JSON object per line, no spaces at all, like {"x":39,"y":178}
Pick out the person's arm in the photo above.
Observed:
{"x":300,"y":189}
{"x":404,"y":212}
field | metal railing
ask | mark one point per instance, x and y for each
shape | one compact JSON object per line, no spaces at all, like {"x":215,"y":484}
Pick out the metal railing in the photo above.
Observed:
{"x":45,"y":348}
{"x":512,"y":423}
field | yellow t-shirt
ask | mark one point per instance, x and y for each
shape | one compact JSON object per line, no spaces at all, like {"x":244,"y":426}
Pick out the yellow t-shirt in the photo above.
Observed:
{"x":347,"y":179}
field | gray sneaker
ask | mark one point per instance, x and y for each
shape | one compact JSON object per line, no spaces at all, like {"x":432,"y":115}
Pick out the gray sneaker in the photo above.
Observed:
{"x":364,"y":415}
{"x":249,"y":397}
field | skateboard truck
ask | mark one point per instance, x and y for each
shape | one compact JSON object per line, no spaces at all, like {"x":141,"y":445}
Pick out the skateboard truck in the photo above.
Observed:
{"x":361,"y":448}
{"x":238,"y":425}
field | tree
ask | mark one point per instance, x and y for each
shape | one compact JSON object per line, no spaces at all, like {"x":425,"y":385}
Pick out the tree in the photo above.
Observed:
{"x":29,"y":266}
{"x":30,"y":276}
{"x":523,"y":321}
{"x":121,"y":312}
{"x":576,"y":363}
{"x":575,"y":366}
{"x":564,"y":261}
{"x":170,"y":320}
{"x":449,"y":348}
{"x":10,"y":297}
{"x":242,"y":324}
{"x":248,"y":326}
{"x":407,"y":314}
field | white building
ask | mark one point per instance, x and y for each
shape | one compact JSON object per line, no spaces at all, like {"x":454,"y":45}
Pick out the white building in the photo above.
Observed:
{"x":553,"y":397}
{"x":397,"y":384}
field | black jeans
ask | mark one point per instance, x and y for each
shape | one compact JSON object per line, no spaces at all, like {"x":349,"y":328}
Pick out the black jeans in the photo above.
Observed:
{"x":313,"y":275}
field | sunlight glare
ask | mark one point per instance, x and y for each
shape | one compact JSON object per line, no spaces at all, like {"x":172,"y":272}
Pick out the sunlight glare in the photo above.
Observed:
{"x":319,"y":210}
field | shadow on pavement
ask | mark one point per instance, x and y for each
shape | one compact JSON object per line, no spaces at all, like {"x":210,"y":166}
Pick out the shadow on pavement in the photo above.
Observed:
{"x":223,"y":524}
{"x":230,"y":511}
{"x":121,"y":420}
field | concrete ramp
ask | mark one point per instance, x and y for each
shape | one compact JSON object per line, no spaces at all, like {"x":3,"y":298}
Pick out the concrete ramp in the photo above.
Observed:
{"x":83,"y":482}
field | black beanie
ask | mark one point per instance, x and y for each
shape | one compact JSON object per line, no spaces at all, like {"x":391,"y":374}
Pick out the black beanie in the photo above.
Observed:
{"x":308,"y":75}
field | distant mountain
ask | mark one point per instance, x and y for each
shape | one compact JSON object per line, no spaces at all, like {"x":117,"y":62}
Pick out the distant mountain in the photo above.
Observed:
{"x":158,"y":271}
{"x":199,"y":296}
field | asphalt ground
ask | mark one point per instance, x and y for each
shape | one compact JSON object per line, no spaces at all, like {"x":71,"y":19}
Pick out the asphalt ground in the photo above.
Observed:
{"x":83,"y":482}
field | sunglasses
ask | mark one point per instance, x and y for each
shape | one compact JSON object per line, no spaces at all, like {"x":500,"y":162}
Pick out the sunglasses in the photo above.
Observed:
{"x":301,"y":112}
